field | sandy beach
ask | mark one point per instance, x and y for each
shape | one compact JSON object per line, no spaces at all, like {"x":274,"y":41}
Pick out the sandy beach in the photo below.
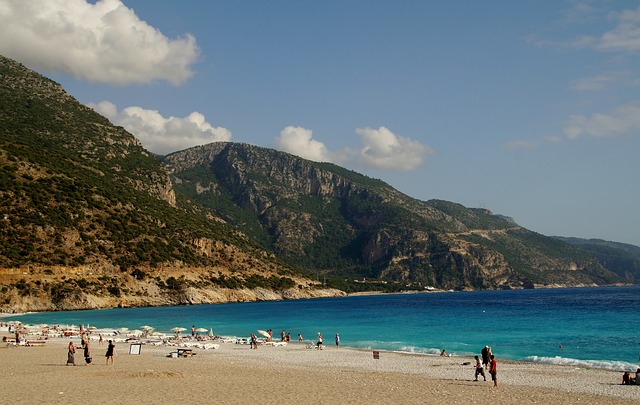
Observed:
{"x":235,"y":374}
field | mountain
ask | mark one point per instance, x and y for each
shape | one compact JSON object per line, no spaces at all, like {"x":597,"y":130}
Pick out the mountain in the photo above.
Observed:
{"x":90,"y":219}
{"x":621,"y":258}
{"x":342,"y":226}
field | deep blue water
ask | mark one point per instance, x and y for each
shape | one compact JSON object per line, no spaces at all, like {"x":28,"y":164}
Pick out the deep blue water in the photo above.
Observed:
{"x":595,"y":326}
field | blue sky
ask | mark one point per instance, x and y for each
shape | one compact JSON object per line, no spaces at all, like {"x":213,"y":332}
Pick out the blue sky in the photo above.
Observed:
{"x":528,"y":108}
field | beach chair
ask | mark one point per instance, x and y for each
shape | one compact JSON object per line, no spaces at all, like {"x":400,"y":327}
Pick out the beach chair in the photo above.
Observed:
{"x":310,"y":345}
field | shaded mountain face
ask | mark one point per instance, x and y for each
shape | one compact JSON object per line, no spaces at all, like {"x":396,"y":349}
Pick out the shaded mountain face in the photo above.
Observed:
{"x":340,"y":225}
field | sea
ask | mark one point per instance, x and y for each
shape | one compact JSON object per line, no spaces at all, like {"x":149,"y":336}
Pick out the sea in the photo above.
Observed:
{"x":585,"y":327}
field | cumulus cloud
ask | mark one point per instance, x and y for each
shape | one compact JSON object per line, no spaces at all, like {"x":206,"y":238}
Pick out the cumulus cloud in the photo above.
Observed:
{"x":103,"y":42}
{"x":624,"y":120}
{"x":163,"y":135}
{"x":299,"y":141}
{"x":380,"y":148}
{"x":383,"y":149}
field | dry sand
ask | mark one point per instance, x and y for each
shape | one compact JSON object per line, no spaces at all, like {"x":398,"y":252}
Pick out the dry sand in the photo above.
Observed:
{"x":235,"y":374}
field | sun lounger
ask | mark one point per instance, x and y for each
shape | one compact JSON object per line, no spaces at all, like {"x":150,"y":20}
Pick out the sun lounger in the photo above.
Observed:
{"x":38,"y":342}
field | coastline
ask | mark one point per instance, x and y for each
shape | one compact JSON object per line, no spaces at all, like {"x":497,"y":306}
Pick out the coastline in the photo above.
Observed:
{"x":236,"y":374}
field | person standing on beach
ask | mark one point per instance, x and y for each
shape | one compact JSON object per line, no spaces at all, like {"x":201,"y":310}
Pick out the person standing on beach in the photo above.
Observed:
{"x":299,"y":338}
{"x":319,"y":341}
{"x":337,"y":341}
{"x":100,"y":340}
{"x":479,"y":369}
{"x":485,"y":356}
{"x":71,"y":355}
{"x":110,"y":352}
{"x":493,"y":371}
{"x":87,"y":353}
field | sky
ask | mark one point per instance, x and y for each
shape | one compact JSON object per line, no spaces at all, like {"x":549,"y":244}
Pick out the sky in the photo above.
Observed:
{"x":528,"y":108}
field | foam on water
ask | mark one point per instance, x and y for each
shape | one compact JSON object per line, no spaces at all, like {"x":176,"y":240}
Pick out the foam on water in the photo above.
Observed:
{"x":609,"y":365}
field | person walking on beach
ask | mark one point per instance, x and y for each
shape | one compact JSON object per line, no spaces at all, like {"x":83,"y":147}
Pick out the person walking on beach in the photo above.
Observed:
{"x":337,"y":341}
{"x":299,"y":338}
{"x":493,"y":371}
{"x":479,"y":369}
{"x":110,"y":352}
{"x":319,"y":341}
{"x":87,"y":353}
{"x":100,"y":340}
{"x":71,"y":355}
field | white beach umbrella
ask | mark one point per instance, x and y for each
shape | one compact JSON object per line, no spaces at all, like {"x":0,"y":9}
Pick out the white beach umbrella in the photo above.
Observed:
{"x":147,"y":327}
{"x":135,"y":332}
{"x":264,"y":333}
{"x":202,"y":330}
{"x":211,"y":332}
{"x":178,"y":329}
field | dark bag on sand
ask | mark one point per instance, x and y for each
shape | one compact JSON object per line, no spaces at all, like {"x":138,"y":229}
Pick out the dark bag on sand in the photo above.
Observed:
{"x":88,"y":360}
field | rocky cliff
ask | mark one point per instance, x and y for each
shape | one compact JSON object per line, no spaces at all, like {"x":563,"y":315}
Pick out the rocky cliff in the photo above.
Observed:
{"x":343,"y":225}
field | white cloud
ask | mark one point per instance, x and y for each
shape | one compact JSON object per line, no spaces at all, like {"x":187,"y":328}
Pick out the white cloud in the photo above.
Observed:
{"x":624,"y":120}
{"x":102,"y":42}
{"x":597,"y":82}
{"x":163,"y":135}
{"x":380,"y":148}
{"x":383,"y":149}
{"x":299,"y":141}
{"x":626,"y":35}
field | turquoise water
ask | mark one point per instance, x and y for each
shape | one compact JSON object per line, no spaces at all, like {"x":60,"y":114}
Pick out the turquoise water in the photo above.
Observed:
{"x":598,"y":327}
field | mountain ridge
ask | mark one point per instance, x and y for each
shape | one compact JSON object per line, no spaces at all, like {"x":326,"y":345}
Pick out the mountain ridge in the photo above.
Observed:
{"x":90,"y":219}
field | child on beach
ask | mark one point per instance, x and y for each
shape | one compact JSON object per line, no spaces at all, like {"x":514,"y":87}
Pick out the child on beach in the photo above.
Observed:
{"x":479,"y":369}
{"x":493,"y":371}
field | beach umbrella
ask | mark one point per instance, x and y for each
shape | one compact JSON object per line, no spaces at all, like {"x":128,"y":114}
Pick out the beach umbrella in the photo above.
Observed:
{"x":201,"y":330}
{"x":136,"y":332}
{"x":264,"y":333}
{"x":211,"y":332}
{"x":147,"y":327}
{"x":178,"y":329}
